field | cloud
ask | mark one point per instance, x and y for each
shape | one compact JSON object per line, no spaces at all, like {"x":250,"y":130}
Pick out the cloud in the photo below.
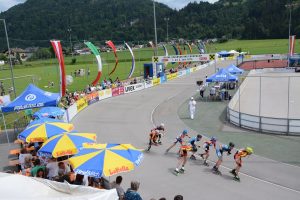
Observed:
{"x":6,"y":4}
{"x":178,"y":4}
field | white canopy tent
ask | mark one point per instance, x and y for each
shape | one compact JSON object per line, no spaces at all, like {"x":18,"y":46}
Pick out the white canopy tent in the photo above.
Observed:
{"x":14,"y":186}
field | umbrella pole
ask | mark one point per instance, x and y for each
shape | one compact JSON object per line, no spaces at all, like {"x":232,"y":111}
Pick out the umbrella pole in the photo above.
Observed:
{"x":5,"y":128}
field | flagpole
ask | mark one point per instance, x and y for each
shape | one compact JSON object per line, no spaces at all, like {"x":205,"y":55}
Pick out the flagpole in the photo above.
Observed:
{"x":10,"y":62}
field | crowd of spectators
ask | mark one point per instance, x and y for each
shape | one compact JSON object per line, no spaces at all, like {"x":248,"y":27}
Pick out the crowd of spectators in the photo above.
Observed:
{"x":33,"y":165}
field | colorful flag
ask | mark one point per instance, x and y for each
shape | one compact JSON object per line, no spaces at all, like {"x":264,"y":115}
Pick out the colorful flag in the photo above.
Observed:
{"x":292,"y":44}
{"x":97,"y":54}
{"x":58,"y":52}
{"x":133,"y":61}
{"x":113,"y":47}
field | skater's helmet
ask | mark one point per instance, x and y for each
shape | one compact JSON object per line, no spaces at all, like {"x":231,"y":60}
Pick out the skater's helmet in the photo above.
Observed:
{"x":231,"y":144}
{"x":249,"y":150}
{"x":162,"y":124}
{"x":199,"y":136}
{"x":213,"y":139}
{"x":184,"y":132}
{"x":192,"y":98}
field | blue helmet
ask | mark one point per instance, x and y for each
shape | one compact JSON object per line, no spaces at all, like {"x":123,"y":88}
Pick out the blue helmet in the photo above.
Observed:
{"x":213,"y":138}
{"x":184,"y":132}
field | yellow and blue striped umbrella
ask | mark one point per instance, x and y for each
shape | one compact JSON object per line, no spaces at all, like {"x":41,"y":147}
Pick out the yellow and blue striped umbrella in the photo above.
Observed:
{"x":105,"y":159}
{"x":41,"y":132}
{"x":65,"y":144}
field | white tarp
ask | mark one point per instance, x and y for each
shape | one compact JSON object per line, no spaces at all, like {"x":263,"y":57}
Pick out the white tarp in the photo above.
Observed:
{"x":15,"y":187}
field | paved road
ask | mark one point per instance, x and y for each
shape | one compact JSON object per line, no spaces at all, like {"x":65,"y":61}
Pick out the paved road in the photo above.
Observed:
{"x":128,"y":118}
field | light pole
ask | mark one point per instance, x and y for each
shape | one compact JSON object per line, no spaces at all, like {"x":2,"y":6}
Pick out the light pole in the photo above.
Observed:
{"x":167,"y":20}
{"x":9,"y":56}
{"x":155,"y":31}
{"x":70,"y":38}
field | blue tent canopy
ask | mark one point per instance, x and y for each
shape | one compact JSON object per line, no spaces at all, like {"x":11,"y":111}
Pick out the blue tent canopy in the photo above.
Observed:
{"x":224,"y":53}
{"x":32,"y":97}
{"x":222,"y":76}
{"x":49,"y":112}
{"x":232,"y":69}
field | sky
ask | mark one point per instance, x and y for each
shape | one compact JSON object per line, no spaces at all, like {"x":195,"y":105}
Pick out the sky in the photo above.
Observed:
{"x":6,"y":4}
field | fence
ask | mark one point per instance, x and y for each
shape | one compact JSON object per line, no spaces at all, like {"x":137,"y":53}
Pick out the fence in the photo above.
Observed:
{"x":267,"y":101}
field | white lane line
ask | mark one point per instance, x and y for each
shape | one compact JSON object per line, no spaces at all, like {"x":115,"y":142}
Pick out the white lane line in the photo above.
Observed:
{"x":261,"y":180}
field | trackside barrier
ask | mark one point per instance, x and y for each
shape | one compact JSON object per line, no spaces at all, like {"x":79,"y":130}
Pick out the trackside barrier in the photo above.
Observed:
{"x":94,"y":97}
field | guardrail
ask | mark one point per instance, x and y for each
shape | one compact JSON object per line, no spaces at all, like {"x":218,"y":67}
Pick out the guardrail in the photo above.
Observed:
{"x":279,"y":126}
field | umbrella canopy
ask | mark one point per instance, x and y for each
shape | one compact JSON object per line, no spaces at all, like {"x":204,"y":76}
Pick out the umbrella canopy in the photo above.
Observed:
{"x":41,"y":132}
{"x":222,"y":76}
{"x":65,"y":144}
{"x":42,"y":121}
{"x":232,"y":69}
{"x":49,"y":112}
{"x":32,"y":97}
{"x":106,"y":159}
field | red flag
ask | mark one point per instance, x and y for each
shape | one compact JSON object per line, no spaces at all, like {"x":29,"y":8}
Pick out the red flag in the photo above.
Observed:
{"x":111,"y":45}
{"x":58,"y":52}
{"x":292,"y":44}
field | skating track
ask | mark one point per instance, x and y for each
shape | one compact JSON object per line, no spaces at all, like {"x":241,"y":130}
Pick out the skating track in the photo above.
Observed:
{"x":128,"y":119}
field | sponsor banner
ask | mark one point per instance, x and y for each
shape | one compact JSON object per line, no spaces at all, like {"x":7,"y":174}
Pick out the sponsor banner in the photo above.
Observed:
{"x":104,"y":94}
{"x":4,"y":100}
{"x":92,"y":97}
{"x":169,"y":77}
{"x":71,"y":112}
{"x":181,"y":73}
{"x":156,"y":81}
{"x":133,"y":88}
{"x":117,"y":91}
{"x":181,"y":58}
{"x":148,"y":84}
{"x":174,"y":75}
{"x":81,"y":104}
{"x":193,"y":69}
{"x":187,"y":71}
{"x":163,"y":79}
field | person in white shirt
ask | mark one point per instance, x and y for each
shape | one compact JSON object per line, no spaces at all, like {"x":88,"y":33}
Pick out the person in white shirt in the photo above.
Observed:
{"x":52,"y":169}
{"x":22,"y":156}
{"x":192,"y":107}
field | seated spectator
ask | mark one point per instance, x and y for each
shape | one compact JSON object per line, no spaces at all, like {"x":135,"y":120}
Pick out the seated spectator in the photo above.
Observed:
{"x":52,"y":169}
{"x":117,"y":184}
{"x":24,"y":154}
{"x":40,"y":173}
{"x":37,"y":167}
{"x":178,"y":197}
{"x":78,"y":179}
{"x":63,"y":169}
{"x":70,"y":178}
{"x":131,"y":193}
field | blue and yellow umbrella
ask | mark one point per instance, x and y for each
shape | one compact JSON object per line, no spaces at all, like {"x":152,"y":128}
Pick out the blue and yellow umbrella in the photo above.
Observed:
{"x":65,"y":144}
{"x":41,"y":132}
{"x":97,"y":160}
{"x":42,"y":121}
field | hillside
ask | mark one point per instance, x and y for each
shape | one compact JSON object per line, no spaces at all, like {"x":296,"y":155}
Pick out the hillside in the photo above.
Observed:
{"x":36,"y":21}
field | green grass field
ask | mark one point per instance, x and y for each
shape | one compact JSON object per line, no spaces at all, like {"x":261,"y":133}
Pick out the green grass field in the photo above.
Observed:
{"x":42,"y":71}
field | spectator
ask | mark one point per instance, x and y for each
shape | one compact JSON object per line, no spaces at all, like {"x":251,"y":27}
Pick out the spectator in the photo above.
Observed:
{"x":131,"y":193}
{"x":52,"y":169}
{"x":63,"y":169}
{"x":24,"y":154}
{"x":117,"y":184}
{"x":37,"y":167}
{"x":78,"y":179}
{"x":40,"y":173}
{"x":178,"y":197}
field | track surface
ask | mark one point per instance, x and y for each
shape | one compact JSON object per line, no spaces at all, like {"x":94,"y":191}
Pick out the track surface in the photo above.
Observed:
{"x":128,"y":119}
